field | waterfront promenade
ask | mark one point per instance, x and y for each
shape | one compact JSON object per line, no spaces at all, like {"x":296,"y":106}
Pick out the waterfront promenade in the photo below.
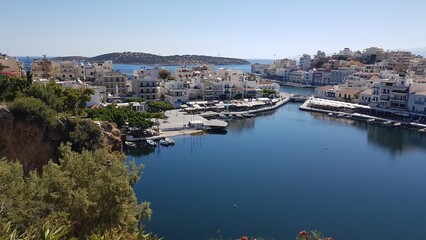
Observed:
{"x":347,"y":110}
{"x":179,"y":122}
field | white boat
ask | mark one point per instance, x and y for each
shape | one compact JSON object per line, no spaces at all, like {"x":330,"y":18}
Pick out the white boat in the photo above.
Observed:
{"x":371,"y":120}
{"x":398,"y":124}
{"x":130,"y":144}
{"x":167,"y":141}
{"x":330,"y":114}
{"x":151,"y":142}
{"x":387,"y":122}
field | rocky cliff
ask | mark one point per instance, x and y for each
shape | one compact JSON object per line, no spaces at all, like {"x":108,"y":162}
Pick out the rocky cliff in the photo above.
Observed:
{"x":34,"y":145}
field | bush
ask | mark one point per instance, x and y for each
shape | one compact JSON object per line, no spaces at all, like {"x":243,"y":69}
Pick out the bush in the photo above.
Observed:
{"x":89,"y":192}
{"x":32,"y":110}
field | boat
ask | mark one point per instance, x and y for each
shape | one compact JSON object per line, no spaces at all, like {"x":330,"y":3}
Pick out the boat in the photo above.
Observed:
{"x":330,"y":114}
{"x":167,"y":141}
{"x":371,"y":120}
{"x":423,"y":130}
{"x":130,"y":144}
{"x":341,"y":115}
{"x":151,"y":143}
{"x":398,"y":124}
{"x":387,"y":122}
{"x":248,"y":115}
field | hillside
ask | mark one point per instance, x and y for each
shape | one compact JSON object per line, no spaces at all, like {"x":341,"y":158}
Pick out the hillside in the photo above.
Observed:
{"x":151,"y":59}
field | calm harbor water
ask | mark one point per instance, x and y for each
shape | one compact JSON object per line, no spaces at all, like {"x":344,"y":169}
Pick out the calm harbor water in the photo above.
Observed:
{"x":287,"y":171}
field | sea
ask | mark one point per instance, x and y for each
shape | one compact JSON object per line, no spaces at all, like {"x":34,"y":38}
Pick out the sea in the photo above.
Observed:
{"x":246,"y":68}
{"x":285,"y":171}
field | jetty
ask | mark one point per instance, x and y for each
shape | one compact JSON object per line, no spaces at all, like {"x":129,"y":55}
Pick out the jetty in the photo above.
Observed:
{"x":196,"y":117}
{"x":357,"y":111}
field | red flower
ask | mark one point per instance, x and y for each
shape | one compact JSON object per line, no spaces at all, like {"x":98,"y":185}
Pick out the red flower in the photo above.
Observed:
{"x":303,"y":234}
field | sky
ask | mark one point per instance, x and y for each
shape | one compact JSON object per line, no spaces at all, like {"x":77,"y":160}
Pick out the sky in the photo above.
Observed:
{"x":250,"y":29}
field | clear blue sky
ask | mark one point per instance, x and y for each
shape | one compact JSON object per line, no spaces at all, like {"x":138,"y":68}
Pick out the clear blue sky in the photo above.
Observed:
{"x":245,"y":29}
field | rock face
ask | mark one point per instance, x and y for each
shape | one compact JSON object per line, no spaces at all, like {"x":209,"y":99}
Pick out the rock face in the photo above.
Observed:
{"x":34,"y":145}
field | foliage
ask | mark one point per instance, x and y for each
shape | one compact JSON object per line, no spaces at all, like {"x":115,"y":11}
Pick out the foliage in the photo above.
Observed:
{"x":123,"y":115}
{"x":164,"y":74}
{"x":67,"y":100}
{"x":81,"y":134}
{"x":57,"y":232}
{"x":159,"y":106}
{"x":12,"y":87}
{"x":313,"y":235}
{"x":32,"y":110}
{"x":134,"y":100}
{"x":88,"y":192}
{"x":268,"y":92}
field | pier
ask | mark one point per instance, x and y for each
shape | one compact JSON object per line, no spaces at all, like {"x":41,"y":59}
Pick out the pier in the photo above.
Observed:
{"x":349,"y":110}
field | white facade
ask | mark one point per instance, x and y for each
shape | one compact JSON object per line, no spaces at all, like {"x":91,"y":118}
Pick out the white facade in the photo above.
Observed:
{"x":297,"y":76}
{"x":340,"y":75}
{"x":175,"y":93}
{"x":66,"y":69}
{"x":146,"y":88}
{"x":305,"y":62}
{"x":183,"y":73}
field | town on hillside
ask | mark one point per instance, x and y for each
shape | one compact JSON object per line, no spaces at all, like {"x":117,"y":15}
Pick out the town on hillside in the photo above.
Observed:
{"x":393,"y":80}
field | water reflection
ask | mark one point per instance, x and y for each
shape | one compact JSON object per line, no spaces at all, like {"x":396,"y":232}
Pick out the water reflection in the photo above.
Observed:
{"x":140,"y":150}
{"x":395,"y":140}
{"x":241,"y":125}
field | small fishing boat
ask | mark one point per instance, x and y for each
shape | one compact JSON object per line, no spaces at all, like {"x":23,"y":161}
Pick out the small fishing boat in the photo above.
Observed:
{"x":130,"y":144}
{"x":167,"y":141}
{"x":387,"y":123}
{"x":151,"y":143}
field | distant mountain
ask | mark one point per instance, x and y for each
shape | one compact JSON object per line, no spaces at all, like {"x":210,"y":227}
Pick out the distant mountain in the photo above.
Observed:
{"x":151,"y":59}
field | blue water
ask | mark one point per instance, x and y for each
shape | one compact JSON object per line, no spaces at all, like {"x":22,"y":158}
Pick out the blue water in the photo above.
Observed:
{"x":287,"y":171}
{"x":128,"y":68}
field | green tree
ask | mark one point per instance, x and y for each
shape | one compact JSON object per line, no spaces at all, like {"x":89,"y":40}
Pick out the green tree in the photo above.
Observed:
{"x":32,"y":110}
{"x":90,"y":192}
{"x":164,"y":74}
{"x":12,"y":87}
{"x":159,"y":106}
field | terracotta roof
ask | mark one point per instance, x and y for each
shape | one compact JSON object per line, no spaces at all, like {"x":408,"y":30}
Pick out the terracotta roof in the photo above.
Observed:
{"x":367,"y":91}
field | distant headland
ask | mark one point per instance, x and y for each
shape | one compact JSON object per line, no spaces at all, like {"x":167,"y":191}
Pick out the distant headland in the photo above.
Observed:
{"x":151,"y":59}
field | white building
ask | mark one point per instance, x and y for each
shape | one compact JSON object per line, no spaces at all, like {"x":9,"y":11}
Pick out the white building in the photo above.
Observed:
{"x":340,"y":75}
{"x":183,"y":73}
{"x":115,"y":83}
{"x":175,"y":93}
{"x":66,"y":69}
{"x":417,"y":98}
{"x":146,"y":88}
{"x":143,"y":72}
{"x":296,"y":76}
{"x":305,"y":62}
{"x":101,"y":68}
